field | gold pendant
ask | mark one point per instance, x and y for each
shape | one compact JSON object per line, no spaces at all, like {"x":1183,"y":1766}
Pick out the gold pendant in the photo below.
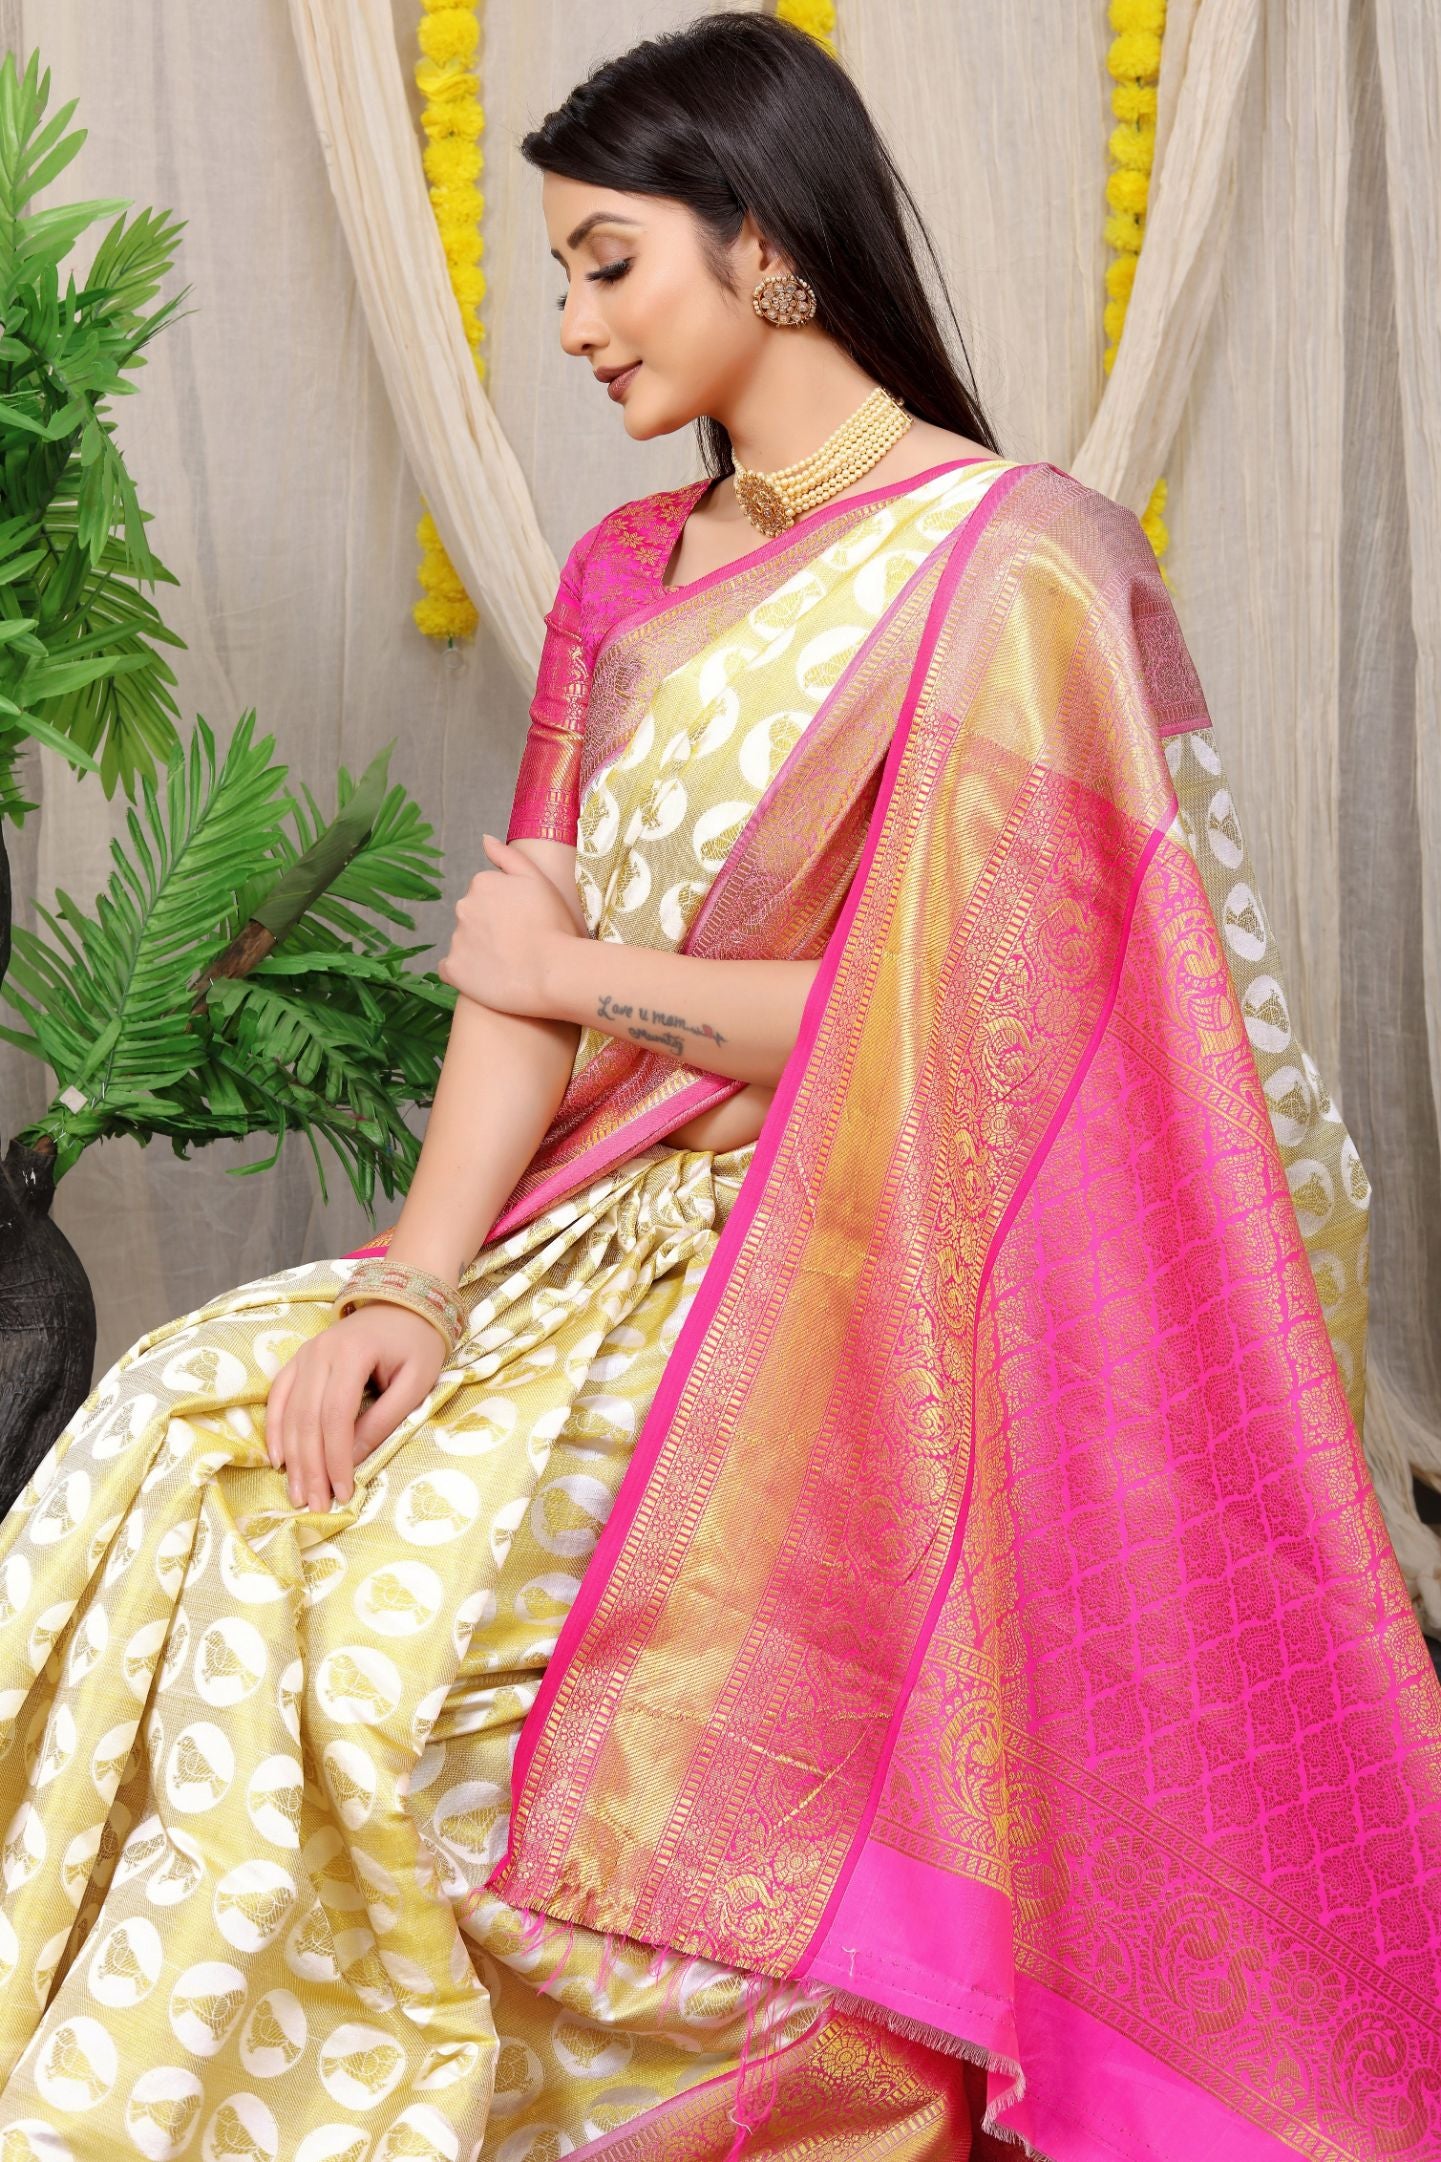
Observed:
{"x":765,"y":506}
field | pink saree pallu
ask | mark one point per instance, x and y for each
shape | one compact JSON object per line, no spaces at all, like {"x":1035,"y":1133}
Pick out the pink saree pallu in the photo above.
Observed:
{"x":996,"y":1625}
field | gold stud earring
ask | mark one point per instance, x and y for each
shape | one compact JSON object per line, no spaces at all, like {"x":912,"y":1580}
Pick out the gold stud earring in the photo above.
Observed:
{"x":784,"y":297}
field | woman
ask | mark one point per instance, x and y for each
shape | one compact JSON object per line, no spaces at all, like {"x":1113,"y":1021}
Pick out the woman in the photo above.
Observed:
{"x":868,"y":1362}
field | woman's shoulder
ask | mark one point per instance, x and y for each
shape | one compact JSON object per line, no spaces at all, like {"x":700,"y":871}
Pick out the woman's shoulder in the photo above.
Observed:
{"x":632,"y":543}
{"x":1073,"y":509}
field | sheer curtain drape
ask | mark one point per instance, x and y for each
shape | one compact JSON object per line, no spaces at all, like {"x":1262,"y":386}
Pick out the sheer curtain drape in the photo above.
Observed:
{"x":1278,"y":367}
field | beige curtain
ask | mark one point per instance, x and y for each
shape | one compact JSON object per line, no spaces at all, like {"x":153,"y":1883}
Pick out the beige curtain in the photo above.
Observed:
{"x":1277,"y":368}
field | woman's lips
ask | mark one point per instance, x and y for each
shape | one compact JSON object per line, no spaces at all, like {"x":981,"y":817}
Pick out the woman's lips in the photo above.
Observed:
{"x":618,"y":384}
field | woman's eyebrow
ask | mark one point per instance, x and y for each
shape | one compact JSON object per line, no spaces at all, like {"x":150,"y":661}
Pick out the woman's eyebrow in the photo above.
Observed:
{"x":597,"y":217}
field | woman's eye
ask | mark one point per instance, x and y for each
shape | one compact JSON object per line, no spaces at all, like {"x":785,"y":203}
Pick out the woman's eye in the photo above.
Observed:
{"x":607,"y":274}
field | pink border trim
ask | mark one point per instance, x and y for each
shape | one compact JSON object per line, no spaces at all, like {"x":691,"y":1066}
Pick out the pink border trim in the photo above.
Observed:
{"x":626,"y":1141}
{"x":1091,"y":2093}
{"x":698,"y":1320}
{"x":667,"y":596}
{"x":1008,"y":1217}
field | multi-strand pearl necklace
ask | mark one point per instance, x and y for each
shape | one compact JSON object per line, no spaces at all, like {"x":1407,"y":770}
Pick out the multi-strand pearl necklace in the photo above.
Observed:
{"x":773,"y":501}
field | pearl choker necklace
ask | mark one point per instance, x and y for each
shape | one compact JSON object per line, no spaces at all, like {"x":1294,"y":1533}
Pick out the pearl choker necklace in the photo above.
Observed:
{"x":773,"y":501}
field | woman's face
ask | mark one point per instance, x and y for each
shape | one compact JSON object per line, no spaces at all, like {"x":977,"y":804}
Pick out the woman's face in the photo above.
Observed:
{"x":639,"y":289}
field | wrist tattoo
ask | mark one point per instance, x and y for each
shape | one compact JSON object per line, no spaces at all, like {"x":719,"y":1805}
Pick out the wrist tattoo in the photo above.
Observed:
{"x":646,"y":1024}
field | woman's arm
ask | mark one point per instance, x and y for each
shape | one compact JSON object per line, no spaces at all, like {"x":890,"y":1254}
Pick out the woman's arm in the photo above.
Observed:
{"x":502,"y":1078}
{"x":739,"y":1018}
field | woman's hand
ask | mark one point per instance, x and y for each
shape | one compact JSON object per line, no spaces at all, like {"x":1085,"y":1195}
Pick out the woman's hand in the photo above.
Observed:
{"x":505,"y":924}
{"x":311,"y":1429}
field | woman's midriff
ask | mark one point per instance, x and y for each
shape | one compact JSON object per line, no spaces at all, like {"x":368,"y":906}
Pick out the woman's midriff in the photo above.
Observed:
{"x":726,"y":1125}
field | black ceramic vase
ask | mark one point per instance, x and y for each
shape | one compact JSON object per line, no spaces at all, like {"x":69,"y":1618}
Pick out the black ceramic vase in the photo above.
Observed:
{"x":47,"y":1320}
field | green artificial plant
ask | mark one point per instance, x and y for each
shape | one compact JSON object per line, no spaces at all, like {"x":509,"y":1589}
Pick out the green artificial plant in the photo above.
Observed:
{"x":233,"y":978}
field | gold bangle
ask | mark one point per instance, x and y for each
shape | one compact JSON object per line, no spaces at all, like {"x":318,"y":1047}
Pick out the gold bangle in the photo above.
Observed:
{"x":397,"y":1283}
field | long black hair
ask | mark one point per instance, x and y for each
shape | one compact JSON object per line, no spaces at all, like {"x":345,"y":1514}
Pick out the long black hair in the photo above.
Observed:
{"x":738,"y":113}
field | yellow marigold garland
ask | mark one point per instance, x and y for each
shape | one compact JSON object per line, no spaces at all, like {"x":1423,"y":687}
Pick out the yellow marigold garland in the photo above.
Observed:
{"x":816,"y":16}
{"x":454,"y":121}
{"x":1134,"y":63}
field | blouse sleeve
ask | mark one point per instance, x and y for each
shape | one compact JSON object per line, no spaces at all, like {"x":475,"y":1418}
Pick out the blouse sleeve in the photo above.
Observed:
{"x":547,"y":789}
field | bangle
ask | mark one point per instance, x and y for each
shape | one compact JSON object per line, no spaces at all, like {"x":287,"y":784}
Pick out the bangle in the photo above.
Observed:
{"x":396,"y":1283}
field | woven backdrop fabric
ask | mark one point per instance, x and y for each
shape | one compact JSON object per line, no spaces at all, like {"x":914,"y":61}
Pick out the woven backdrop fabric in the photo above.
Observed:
{"x":1286,"y":386}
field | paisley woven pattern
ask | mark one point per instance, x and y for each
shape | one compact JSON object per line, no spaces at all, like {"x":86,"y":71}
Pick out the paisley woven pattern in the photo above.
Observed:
{"x":1069,"y":1582}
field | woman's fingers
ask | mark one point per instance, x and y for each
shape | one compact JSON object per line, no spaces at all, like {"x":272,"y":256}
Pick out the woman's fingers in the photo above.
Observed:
{"x":338,"y":1407}
{"x":379,"y":1420}
{"x":305,"y":1441}
{"x":275,"y":1415}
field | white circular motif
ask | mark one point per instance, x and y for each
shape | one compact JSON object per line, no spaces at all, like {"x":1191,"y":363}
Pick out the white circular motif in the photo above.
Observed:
{"x":126,"y":1963}
{"x":357,"y":1682}
{"x":487,"y":1425}
{"x":1291,"y":1104}
{"x":273,"y":1797}
{"x":162,"y":2111}
{"x":767,"y":745}
{"x":252,"y":1903}
{"x":438,"y":1506}
{"x":333,"y":2143}
{"x":275,"y":2035}
{"x":568,"y":1515}
{"x":205,"y":2003}
{"x":1243,"y":923}
{"x":230,"y":1661}
{"x":241,"y":2126}
{"x":630,"y":885}
{"x":76,"y":2068}
{"x":399,"y":1599}
{"x":172,"y":1555}
{"x":287,"y":1696}
{"x":176,"y":1648}
{"x":181,"y":1872}
{"x":1313,"y":1192}
{"x":1353,"y":1175}
{"x":200,"y":1767}
{"x":677,"y":907}
{"x":310,"y":1948}
{"x":206,"y":1369}
{"x":546,"y":1599}
{"x":473,"y":1818}
{"x":127,"y":1424}
{"x":1329,"y":1272}
{"x":1266,"y":1014}
{"x":419,"y":2134}
{"x":92,"y":1638}
{"x":716,"y":832}
{"x":57,"y":1746}
{"x":42,"y":2143}
{"x":588,"y":2051}
{"x":822,"y":660}
{"x":16,"y":1581}
{"x":350,"y":1777}
{"x":360,"y":2065}
{"x":109,"y":1758}
{"x":1223,"y":830}
{"x":245,"y":1576}
{"x":63,"y":1510}
{"x":24,"y":1846}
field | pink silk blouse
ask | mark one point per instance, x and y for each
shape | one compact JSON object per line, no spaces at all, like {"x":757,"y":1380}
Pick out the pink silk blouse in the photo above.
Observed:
{"x":612,"y":570}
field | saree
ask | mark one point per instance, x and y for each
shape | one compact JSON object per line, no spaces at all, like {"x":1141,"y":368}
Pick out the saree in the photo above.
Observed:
{"x":881,"y":1641}
{"x":254,"y":1760}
